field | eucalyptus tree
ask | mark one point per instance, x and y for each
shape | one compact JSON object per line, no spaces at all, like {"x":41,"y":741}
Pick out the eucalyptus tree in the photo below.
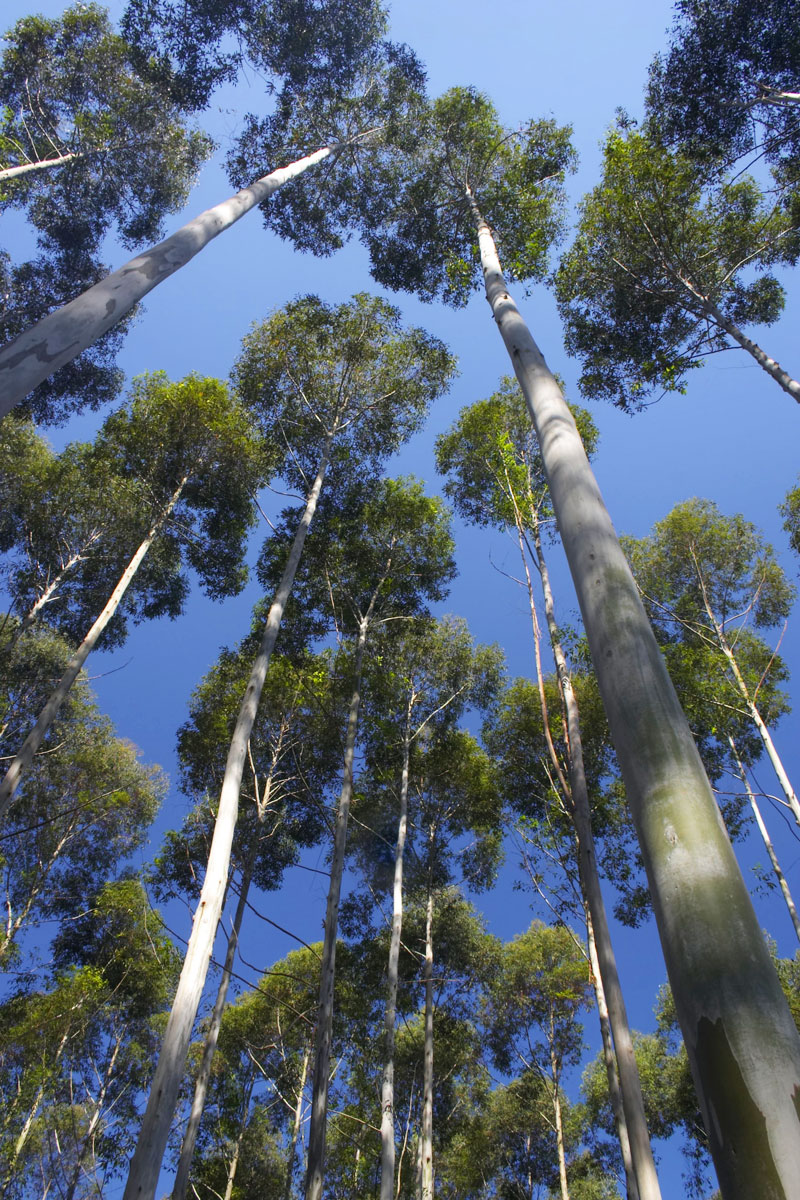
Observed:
{"x":74,"y":1051}
{"x":64,"y":517}
{"x":658,"y":276}
{"x":293,"y":755}
{"x":429,"y":673}
{"x":356,"y":86}
{"x":86,"y":807}
{"x":250,"y":1129}
{"x":532,"y":1015}
{"x":380,"y":552}
{"x":728,"y":83}
{"x":469,"y":171}
{"x":193,"y":461}
{"x":496,"y":476}
{"x":88,"y":147}
{"x":705,"y":578}
{"x":337,"y":388}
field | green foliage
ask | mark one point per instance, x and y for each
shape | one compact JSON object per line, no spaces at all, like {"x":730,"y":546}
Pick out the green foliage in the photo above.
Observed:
{"x":718,"y":87}
{"x":69,"y":86}
{"x":349,"y":372}
{"x":366,"y":115}
{"x":491,"y":454}
{"x":418,"y":223}
{"x":295,"y":753}
{"x":657,"y":268}
{"x":696,"y":549}
{"x":75,"y":1053}
{"x":83,"y":807}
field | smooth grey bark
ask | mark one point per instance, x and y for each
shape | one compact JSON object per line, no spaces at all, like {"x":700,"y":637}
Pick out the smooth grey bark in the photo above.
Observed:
{"x":41,"y":164}
{"x":637,"y":1132}
{"x":34,"y":355}
{"x":762,"y":829}
{"x":146,"y":1162}
{"x":48,"y":594}
{"x":755,"y":715}
{"x":773,"y":368}
{"x":426,"y":1133}
{"x":741,"y":1040}
{"x":298,"y":1116}
{"x":181,"y":1184}
{"x":315,"y":1172}
{"x":48,"y":714}
{"x":557,"y":1116}
{"x":610,"y":1061}
{"x":387,"y":1082}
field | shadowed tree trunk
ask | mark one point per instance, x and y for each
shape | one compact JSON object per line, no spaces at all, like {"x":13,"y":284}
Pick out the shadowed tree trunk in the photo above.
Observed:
{"x":36,"y":354}
{"x":742,"y":1044}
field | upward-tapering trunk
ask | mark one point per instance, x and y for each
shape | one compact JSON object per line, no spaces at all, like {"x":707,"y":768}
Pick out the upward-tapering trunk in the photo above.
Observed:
{"x":426,"y":1133}
{"x":49,"y":713}
{"x":767,"y":840}
{"x":181,"y":1184}
{"x":34,"y":355}
{"x":742,"y":1043}
{"x":752,"y":708}
{"x":387,"y":1083}
{"x":609,"y":1058}
{"x":630,"y":1083}
{"x":146,"y":1162}
{"x":298,"y":1116}
{"x":315,"y":1173}
{"x":773,"y":368}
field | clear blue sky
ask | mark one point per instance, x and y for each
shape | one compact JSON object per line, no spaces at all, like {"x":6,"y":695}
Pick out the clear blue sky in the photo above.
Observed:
{"x":733,"y":438}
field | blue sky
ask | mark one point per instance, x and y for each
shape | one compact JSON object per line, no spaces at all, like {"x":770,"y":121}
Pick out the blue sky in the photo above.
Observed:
{"x":732,"y":438}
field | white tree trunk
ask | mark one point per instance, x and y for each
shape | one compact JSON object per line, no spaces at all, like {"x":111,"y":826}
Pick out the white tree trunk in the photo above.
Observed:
{"x":609,"y":1058}
{"x":146,"y":1162}
{"x":42,"y":164}
{"x":755,"y":715}
{"x":426,"y":1133}
{"x":298,"y":1116}
{"x":387,"y":1083}
{"x":181,"y":1184}
{"x":34,"y":355}
{"x":767,"y":840}
{"x":48,"y":714}
{"x":742,"y":1043}
{"x":766,"y":363}
{"x":315,"y":1173}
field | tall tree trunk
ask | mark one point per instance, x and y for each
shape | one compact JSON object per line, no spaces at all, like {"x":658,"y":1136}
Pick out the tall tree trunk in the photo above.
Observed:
{"x":49,"y":593}
{"x":146,"y":1162}
{"x":558,"y":1119}
{"x":298,"y":1116}
{"x":741,"y":1040}
{"x":755,"y":715}
{"x":630,"y":1083}
{"x":34,"y":355}
{"x":426,"y":1133}
{"x":609,"y":1058}
{"x":48,"y":714}
{"x":766,"y":363}
{"x":387,"y":1083}
{"x":315,"y":1172}
{"x":42,"y":164}
{"x":94,"y":1122}
{"x":181,"y":1184}
{"x":762,"y":829}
